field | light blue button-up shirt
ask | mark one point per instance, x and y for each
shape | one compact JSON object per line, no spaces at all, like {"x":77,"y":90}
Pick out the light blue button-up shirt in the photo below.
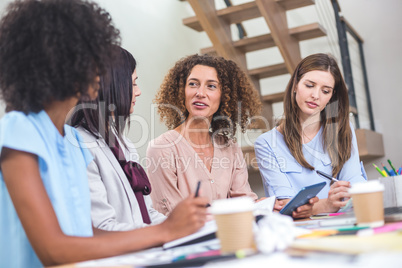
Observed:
{"x":62,"y":166}
{"x":283,"y":176}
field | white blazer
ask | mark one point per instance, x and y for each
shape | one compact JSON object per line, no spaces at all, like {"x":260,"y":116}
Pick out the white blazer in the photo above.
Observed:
{"x":114,"y":206}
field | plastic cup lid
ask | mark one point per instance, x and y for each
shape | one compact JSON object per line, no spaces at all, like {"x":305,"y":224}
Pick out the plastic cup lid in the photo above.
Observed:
{"x":232,"y":205}
{"x":367,"y":187}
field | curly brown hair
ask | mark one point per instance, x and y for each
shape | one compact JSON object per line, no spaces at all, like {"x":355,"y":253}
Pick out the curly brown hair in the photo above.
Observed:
{"x":239,"y":101}
{"x":51,"y":50}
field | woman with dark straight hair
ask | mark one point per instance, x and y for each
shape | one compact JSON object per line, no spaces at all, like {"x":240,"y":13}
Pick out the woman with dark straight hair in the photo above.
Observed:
{"x":119,"y":186}
{"x":314,"y":134}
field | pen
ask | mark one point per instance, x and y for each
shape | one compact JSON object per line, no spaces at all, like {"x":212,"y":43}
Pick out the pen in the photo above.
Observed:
{"x":392,"y":166}
{"x":197,"y":189}
{"x":378,"y":169}
{"x":326,"y":176}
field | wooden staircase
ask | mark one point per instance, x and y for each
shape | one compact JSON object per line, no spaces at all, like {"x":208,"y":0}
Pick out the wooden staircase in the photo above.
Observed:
{"x":216,"y":24}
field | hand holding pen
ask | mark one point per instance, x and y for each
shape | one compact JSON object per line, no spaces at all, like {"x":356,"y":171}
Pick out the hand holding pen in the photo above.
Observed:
{"x":338,"y":195}
{"x":325,"y":175}
{"x":197,"y":191}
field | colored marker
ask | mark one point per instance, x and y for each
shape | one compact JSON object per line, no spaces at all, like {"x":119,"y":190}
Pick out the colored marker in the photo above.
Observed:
{"x":384,"y":174}
{"x":379,"y":230}
{"x":392,"y":173}
{"x":378,"y":169}
{"x":392,"y":166}
{"x":386,"y":169}
{"x":336,"y":214}
{"x":400,"y":171}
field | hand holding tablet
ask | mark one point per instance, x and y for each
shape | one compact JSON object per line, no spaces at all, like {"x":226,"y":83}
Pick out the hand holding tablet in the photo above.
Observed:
{"x":302,"y":198}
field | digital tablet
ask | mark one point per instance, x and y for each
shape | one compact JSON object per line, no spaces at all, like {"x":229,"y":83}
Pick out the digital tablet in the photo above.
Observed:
{"x":302,"y":198}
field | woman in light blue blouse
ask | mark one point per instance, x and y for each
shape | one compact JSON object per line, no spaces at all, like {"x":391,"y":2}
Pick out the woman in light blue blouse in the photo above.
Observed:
{"x":51,"y":55}
{"x":314,"y":134}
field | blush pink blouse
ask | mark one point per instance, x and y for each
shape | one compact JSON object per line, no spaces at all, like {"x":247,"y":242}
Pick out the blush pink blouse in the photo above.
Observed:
{"x":174,"y":168}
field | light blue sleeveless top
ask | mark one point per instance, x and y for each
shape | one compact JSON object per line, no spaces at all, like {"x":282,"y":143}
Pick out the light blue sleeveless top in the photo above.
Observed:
{"x":62,"y":165}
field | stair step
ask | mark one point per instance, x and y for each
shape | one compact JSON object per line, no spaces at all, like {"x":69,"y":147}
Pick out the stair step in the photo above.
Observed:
{"x":293,"y":4}
{"x":308,"y":31}
{"x":301,"y":33}
{"x":268,"y":71}
{"x":247,"y":11}
{"x":273,"y":98}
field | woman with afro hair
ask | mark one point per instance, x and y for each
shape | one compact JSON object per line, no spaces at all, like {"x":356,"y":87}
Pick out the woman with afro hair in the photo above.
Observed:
{"x":202,"y":100}
{"x":52,"y":53}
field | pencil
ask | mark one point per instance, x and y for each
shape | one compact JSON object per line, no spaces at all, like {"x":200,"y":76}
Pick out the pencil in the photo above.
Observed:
{"x":379,"y":170}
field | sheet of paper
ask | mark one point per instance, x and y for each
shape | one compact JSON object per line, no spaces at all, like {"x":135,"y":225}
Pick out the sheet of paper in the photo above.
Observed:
{"x":264,"y":206}
{"x":208,"y":229}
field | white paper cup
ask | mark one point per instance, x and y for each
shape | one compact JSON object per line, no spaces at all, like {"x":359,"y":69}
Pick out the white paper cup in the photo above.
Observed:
{"x":368,"y":203}
{"x":234,"y":219}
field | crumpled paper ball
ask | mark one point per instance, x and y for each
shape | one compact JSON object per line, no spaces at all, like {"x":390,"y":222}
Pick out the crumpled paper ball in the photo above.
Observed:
{"x":274,"y":231}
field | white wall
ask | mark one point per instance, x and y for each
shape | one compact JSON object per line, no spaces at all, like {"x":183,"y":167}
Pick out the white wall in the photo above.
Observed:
{"x":380,"y":25}
{"x":153,"y":32}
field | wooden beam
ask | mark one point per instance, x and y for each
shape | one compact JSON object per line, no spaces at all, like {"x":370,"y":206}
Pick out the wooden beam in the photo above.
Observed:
{"x":293,"y":4}
{"x":309,"y":31}
{"x":242,"y":12}
{"x":275,"y":16}
{"x":232,"y":14}
{"x":269,"y":71}
{"x":217,"y":30}
{"x":249,"y":44}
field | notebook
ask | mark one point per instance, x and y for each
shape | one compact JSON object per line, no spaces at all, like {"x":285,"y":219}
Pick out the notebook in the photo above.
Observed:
{"x":206,"y":233}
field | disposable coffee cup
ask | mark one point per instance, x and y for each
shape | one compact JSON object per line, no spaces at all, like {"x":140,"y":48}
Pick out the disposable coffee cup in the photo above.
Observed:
{"x":234,"y":220}
{"x":368,"y":205}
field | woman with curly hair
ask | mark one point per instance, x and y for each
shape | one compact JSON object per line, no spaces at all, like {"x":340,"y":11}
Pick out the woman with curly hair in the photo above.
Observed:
{"x":202,"y":100}
{"x":51,"y":55}
{"x":314,"y":134}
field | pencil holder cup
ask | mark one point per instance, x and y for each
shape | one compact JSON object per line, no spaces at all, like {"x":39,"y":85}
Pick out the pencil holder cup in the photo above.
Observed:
{"x":234,"y":219}
{"x":393,"y":191}
{"x":368,"y":205}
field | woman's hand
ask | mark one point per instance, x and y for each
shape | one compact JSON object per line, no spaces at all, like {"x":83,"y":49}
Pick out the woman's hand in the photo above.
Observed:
{"x":279,"y":204}
{"x":187,"y":217}
{"x":338,"y":195}
{"x":305,"y":211}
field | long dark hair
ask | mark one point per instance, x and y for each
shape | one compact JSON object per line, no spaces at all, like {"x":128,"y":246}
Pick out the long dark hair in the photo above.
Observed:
{"x":111,"y":108}
{"x":337,"y":135}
